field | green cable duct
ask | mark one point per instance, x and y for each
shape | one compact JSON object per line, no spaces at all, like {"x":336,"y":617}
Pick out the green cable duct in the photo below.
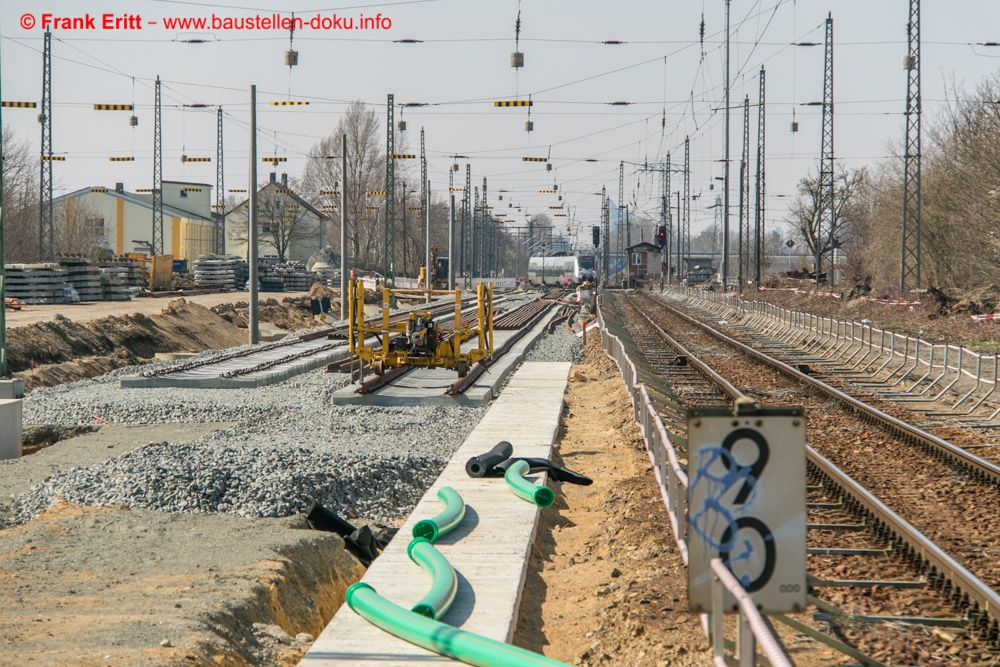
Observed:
{"x":445,"y":522}
{"x":443,"y":639}
{"x":444,"y":583}
{"x":542,"y":496}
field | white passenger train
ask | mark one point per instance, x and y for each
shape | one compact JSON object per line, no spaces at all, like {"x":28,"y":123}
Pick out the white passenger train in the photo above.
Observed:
{"x":558,"y":270}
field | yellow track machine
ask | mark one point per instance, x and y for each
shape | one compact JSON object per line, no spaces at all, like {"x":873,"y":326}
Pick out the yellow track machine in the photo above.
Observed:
{"x":419,"y":340}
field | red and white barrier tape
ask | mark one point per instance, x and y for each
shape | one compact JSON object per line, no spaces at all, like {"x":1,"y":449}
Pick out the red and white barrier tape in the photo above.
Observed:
{"x":890,"y":302}
{"x":982,"y":318}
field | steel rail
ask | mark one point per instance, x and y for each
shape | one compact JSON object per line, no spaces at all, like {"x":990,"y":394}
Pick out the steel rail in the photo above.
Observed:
{"x":693,"y":360}
{"x":461,"y":384}
{"x":984,"y":470}
{"x":963,"y":589}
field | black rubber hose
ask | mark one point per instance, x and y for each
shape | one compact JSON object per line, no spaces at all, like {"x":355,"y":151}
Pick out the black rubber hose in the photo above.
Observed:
{"x":555,"y":471}
{"x":479,"y":466}
{"x":320,"y":518}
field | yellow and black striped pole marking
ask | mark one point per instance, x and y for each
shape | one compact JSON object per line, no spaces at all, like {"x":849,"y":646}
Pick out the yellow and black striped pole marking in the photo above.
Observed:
{"x":513,"y":103}
{"x":237,"y":190}
{"x":144,"y":189}
{"x":19,"y":105}
{"x":376,"y":193}
{"x":283,"y":192}
{"x":98,"y":190}
{"x":546,"y":192}
{"x":121,"y":159}
{"x":190,"y":189}
{"x":414,"y":208}
{"x":53,"y":158}
{"x":290,"y":103}
{"x":371,"y":208}
{"x":534,"y":159}
{"x":402,"y":156}
{"x":329,"y":192}
{"x":456,"y":189}
{"x":112,"y":107}
{"x":274,"y":160}
{"x":556,"y":207}
{"x":185,"y":158}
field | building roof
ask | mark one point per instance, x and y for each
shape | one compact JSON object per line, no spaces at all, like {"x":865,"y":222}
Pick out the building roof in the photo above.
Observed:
{"x":299,"y":200}
{"x":648,"y":247}
{"x":135,"y":198}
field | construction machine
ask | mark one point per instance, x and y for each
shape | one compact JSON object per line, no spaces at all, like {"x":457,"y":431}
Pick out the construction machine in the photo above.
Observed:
{"x":420,"y":340}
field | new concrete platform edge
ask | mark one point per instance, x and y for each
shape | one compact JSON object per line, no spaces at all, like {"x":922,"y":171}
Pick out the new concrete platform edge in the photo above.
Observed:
{"x":490,"y":548}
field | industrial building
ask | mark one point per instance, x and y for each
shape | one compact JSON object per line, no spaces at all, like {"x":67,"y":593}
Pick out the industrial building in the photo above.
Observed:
{"x":124,"y":220}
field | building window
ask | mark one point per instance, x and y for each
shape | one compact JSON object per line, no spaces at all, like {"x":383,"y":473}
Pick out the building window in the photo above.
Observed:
{"x":636,"y":258}
{"x":183,"y":194}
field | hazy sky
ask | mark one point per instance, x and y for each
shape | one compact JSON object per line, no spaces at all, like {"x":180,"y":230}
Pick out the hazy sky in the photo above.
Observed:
{"x":462,"y":65}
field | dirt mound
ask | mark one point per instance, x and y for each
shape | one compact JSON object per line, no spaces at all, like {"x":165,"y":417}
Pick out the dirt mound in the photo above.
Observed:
{"x":49,"y":353}
{"x":978,"y":302}
{"x":320,"y":291}
{"x":291,"y":315}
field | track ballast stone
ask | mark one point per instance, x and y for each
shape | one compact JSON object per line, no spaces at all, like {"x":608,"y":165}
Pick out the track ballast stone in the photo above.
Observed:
{"x":288,"y":445}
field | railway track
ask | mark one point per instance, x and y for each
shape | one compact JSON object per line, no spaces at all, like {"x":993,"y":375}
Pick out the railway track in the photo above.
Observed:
{"x":911,"y":586}
{"x":517,"y":320}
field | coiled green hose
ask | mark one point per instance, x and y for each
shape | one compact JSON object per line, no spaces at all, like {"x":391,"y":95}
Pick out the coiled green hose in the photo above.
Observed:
{"x":438,"y":637}
{"x":445,"y":522}
{"x":444,"y":583}
{"x":540,"y":495}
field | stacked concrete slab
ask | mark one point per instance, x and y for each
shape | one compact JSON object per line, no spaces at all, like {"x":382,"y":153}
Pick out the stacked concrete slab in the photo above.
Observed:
{"x":36,"y":283}
{"x":83,"y":275}
{"x":222,"y":271}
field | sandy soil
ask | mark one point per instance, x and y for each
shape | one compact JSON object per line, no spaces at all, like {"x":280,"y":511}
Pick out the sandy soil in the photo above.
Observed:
{"x":607,"y":584}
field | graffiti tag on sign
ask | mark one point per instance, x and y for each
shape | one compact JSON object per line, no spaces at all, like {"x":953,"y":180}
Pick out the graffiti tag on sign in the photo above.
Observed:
{"x":746,"y":504}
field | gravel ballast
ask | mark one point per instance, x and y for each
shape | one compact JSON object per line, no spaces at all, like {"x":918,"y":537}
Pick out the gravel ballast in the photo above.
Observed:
{"x":289,"y":446}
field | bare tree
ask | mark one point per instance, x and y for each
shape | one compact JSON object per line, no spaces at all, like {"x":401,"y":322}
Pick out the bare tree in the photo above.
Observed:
{"x":20,"y":198}
{"x":283,"y":219}
{"x":365,"y":173}
{"x":79,"y":228}
{"x":809,"y":221}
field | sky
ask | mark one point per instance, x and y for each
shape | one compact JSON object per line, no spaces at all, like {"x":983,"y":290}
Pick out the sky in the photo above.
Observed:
{"x":671,"y":76}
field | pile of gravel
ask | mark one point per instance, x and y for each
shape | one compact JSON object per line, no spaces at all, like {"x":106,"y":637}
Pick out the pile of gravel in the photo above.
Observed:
{"x":557,"y":346}
{"x":246,"y":480}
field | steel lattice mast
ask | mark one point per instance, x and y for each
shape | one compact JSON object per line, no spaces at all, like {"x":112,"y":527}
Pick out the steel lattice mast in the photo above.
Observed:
{"x":157,"y":245}
{"x":759,"y":222}
{"x":725,"y":186}
{"x":621,"y":213}
{"x":389,"y":249}
{"x":4,"y":371}
{"x":424,"y":203}
{"x":605,"y":236}
{"x":909,"y":266}
{"x":744,"y":250}
{"x":220,"y":192}
{"x":685,"y":221}
{"x":826,"y":212}
{"x":46,"y":234}
{"x":665,"y":217}
{"x":484,"y":233}
{"x":467,"y":216}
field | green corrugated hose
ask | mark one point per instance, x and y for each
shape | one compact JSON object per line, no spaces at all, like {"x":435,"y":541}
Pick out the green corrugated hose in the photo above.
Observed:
{"x":542,"y":496}
{"x":438,"y":637}
{"x":444,"y":583}
{"x":445,"y":522}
